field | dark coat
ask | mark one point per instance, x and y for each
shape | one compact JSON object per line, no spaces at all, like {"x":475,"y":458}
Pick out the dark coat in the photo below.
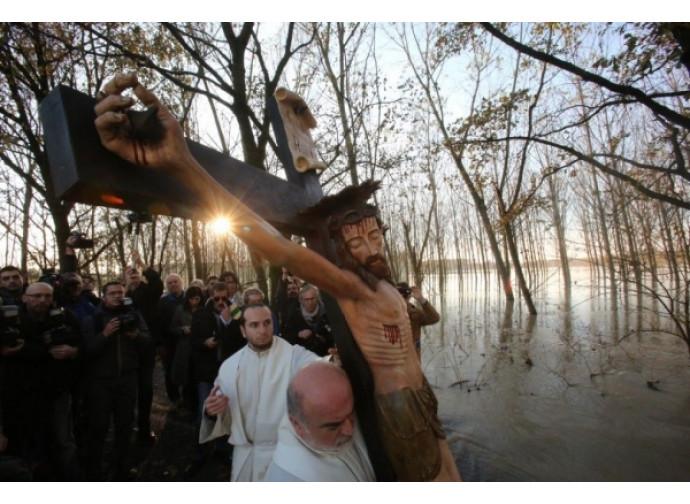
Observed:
{"x":146,"y":296}
{"x":320,"y":340}
{"x":79,"y":307}
{"x":33,"y":369}
{"x":114,"y":356}
{"x":9,"y":298}
{"x":166,"y":310}
{"x":206,"y":361}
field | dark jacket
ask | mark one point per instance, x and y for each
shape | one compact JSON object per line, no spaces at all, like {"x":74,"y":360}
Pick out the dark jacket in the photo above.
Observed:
{"x":114,"y":356}
{"x":79,"y":307}
{"x":166,"y":309}
{"x":320,"y":340}
{"x":91,"y":297}
{"x":206,"y":361}
{"x":146,"y":296}
{"x":33,"y":369}
{"x":9,"y":298}
{"x":284,"y":304}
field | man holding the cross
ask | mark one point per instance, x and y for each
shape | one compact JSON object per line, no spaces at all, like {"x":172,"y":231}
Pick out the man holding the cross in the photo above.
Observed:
{"x":374,"y":310}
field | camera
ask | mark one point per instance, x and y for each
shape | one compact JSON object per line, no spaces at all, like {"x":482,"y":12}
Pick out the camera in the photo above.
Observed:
{"x":53,"y":279}
{"x":81,"y":242}
{"x":137,"y":219}
{"x":9,"y":326}
{"x":129,"y":320}
{"x":60,"y":332}
{"x":404,"y":291}
{"x":140,"y":217}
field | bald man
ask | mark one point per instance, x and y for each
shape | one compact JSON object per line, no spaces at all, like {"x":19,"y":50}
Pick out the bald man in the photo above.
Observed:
{"x":319,"y":439}
{"x":36,"y":387}
{"x":247,"y":402}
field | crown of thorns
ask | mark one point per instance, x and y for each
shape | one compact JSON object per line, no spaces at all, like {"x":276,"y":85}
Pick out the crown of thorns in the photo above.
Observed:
{"x":349,"y":206}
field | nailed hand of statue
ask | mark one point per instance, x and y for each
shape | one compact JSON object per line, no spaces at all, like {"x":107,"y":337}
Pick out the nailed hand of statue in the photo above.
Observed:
{"x":152,"y":137}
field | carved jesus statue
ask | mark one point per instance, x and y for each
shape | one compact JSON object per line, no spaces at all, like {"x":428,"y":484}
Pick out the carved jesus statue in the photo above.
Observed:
{"x":361,"y":284}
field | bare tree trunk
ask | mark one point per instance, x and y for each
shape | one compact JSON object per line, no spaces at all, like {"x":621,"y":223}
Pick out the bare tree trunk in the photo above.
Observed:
{"x":620,"y":253}
{"x":26,"y":221}
{"x":456,"y":242}
{"x":590,"y":247}
{"x":188,"y":256}
{"x":199,"y":263}
{"x":560,"y":231}
{"x":599,"y":208}
{"x":634,"y":259}
{"x":670,"y":249}
{"x":339,"y":79}
{"x":166,"y":238}
{"x":425,"y":78}
{"x":514,"y":254}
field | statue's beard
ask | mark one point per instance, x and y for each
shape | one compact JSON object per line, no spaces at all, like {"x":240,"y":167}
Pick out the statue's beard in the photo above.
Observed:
{"x":378,"y":266}
{"x":374,"y":269}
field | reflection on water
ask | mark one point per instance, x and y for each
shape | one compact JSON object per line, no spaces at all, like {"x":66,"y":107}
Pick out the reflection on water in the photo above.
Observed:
{"x":581,"y":392}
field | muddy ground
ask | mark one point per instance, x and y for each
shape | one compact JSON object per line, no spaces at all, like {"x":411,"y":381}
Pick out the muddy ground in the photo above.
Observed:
{"x":175,"y":443}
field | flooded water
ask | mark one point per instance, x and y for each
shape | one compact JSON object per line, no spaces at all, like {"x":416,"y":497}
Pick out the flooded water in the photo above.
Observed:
{"x":577,"y":393}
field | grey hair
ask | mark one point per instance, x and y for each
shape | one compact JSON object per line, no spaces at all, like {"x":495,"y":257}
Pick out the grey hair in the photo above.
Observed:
{"x":308,"y":287}
{"x":250,"y":292}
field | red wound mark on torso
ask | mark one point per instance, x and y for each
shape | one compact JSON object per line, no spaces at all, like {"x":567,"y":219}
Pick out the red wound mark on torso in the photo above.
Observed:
{"x":392,"y":333}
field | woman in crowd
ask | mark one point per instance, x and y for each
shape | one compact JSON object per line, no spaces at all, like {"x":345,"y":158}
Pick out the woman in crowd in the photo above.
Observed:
{"x":181,"y":327}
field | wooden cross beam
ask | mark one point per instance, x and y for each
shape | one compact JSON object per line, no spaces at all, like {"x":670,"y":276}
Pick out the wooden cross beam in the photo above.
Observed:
{"x":86,"y":172}
{"x":83,"y":171}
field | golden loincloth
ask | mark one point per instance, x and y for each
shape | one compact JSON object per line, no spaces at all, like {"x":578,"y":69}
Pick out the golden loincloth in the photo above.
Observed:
{"x":410,"y":430}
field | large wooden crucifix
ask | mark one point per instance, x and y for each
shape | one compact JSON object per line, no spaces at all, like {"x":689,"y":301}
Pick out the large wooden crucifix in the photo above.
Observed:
{"x":84,"y":171}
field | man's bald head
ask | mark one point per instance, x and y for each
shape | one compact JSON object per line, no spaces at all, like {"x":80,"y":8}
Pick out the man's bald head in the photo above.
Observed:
{"x":38,"y":299}
{"x":321,"y":406}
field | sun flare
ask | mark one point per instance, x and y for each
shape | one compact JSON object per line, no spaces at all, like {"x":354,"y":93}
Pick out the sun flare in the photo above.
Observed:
{"x":220,"y":225}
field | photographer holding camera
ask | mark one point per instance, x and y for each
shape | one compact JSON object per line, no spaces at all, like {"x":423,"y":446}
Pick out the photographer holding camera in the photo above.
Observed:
{"x":144,"y":286}
{"x":69,"y":286}
{"x":423,"y":316}
{"x":114,"y":337}
{"x":36,"y":390}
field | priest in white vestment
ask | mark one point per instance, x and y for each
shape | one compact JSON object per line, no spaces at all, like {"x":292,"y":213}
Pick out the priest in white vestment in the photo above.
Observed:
{"x":320,"y":439}
{"x":248,"y":398}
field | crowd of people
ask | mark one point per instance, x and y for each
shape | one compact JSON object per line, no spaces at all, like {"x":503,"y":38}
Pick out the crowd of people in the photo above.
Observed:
{"x":287,"y":415}
{"x":73,"y":363}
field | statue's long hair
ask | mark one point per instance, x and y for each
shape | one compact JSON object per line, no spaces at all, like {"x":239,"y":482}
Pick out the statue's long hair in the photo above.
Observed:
{"x":349,"y":206}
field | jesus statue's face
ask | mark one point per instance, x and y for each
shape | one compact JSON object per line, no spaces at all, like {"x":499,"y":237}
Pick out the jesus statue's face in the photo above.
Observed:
{"x":364,"y":241}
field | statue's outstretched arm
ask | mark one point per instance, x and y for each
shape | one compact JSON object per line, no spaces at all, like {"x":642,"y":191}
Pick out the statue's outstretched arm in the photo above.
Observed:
{"x":171,"y":156}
